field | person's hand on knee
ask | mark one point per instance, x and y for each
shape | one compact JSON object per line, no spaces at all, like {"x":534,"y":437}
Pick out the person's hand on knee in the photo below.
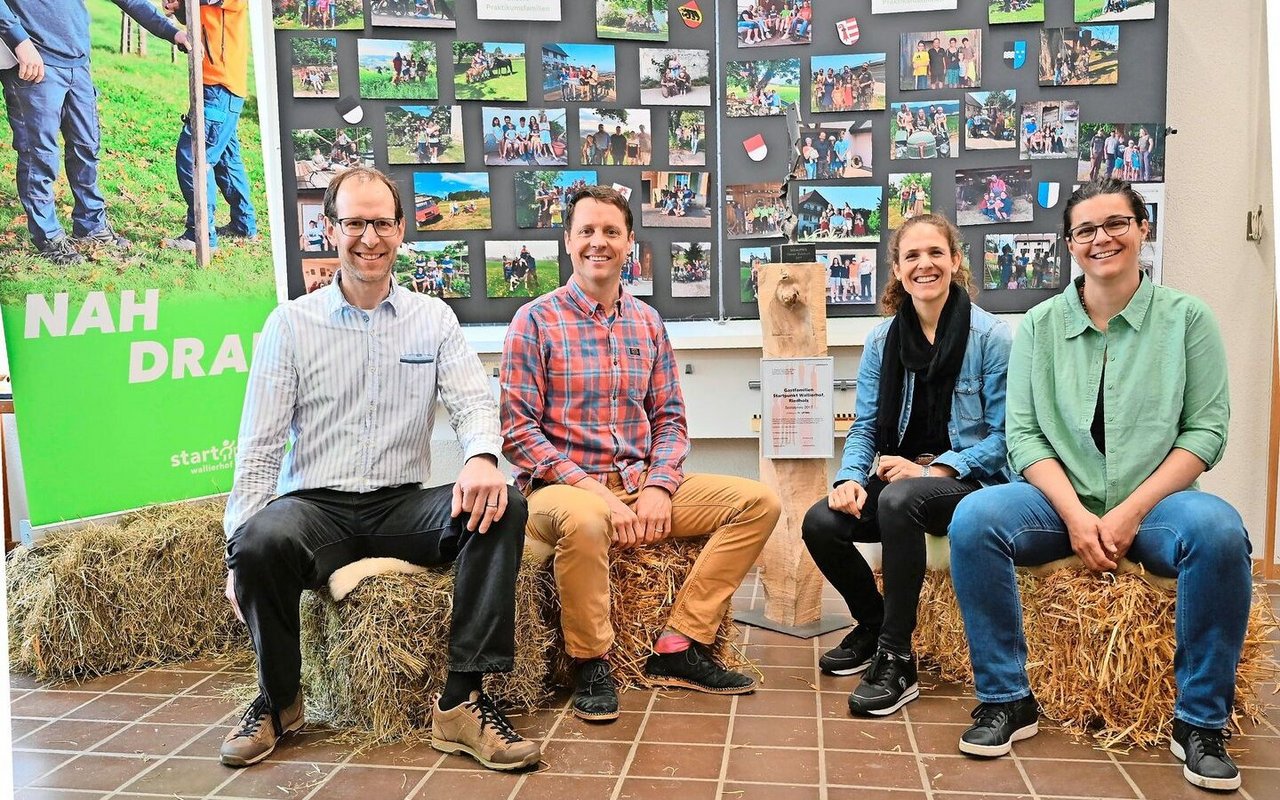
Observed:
{"x":848,"y":497}
{"x":653,"y":511}
{"x":481,"y":491}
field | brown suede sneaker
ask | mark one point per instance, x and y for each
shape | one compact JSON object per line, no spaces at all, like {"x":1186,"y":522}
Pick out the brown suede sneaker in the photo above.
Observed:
{"x":256,"y":735}
{"x":479,"y":729}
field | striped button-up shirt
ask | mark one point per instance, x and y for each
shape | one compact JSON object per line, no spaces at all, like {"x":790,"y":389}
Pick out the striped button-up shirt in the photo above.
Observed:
{"x":588,"y":391}
{"x":354,"y":393}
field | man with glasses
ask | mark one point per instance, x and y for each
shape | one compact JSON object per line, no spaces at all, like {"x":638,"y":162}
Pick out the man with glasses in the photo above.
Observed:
{"x":349,"y":376}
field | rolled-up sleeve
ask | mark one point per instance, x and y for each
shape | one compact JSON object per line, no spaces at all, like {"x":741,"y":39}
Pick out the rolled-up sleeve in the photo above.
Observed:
{"x":1023,"y":435}
{"x":1206,"y":405}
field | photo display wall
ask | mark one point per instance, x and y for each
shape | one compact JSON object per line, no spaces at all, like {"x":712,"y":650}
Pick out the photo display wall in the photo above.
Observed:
{"x":490,"y":114}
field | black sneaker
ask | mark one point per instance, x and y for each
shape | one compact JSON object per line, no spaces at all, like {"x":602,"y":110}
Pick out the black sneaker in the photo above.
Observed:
{"x":1203,"y":752}
{"x":998,"y":725}
{"x":61,"y":252}
{"x":853,"y":654}
{"x":105,"y":237}
{"x":890,"y":683}
{"x":228,"y":232}
{"x":694,"y":669}
{"x":596,"y":698}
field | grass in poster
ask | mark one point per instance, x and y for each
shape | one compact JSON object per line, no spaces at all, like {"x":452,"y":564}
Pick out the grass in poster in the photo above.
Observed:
{"x":1001,"y":12}
{"x":632,"y":19}
{"x":314,"y":66}
{"x":452,"y":201}
{"x":424,"y":135}
{"x":524,"y":268}
{"x":398,"y":69}
{"x":440,"y":269}
{"x":489,"y":71}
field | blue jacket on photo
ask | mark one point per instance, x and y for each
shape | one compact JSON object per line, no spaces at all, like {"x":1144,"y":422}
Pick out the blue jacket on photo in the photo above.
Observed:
{"x":60,"y":28}
{"x":976,"y":426}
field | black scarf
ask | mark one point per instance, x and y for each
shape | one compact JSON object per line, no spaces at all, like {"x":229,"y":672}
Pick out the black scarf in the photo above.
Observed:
{"x":906,"y":348}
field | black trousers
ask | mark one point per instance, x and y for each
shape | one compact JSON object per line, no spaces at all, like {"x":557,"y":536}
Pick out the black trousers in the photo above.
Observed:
{"x":298,"y":540}
{"x":897,"y":515}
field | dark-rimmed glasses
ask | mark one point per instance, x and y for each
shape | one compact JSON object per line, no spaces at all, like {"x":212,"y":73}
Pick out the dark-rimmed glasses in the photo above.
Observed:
{"x":356,"y":226}
{"x":1086,"y":233}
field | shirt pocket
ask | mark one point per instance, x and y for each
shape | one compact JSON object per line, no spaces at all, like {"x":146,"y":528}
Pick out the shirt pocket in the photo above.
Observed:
{"x":415,"y":377}
{"x":967,"y":400}
{"x":636,"y":361}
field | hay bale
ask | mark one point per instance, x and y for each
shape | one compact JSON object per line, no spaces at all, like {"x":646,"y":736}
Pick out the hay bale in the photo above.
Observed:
{"x":1099,"y":652}
{"x":145,"y":591}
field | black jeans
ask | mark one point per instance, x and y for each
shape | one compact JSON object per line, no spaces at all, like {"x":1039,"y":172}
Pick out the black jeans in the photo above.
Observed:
{"x":297,"y":541}
{"x":897,"y":515}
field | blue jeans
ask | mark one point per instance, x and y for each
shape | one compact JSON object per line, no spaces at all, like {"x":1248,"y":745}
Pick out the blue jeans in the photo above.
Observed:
{"x":1191,"y":535}
{"x":65,"y":101}
{"x":226,"y":169}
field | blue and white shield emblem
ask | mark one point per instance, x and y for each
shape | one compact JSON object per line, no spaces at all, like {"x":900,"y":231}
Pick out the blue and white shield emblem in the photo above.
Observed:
{"x":1047,"y":196}
{"x":1015,"y":53}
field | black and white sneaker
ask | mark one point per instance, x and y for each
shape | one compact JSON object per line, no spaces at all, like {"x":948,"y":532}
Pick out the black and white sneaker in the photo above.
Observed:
{"x":998,"y":725}
{"x":1203,"y":752}
{"x":888,"y":685}
{"x":853,"y":654}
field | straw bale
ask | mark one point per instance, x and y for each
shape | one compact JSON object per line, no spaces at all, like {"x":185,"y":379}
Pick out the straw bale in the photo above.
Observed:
{"x":1100,"y":651}
{"x":144,"y":591}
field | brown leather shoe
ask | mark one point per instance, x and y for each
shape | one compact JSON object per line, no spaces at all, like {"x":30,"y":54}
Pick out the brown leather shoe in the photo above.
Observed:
{"x":256,"y":734}
{"x":479,"y":729}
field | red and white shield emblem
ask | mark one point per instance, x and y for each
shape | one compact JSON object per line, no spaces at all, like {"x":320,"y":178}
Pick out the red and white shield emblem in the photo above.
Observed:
{"x":848,"y":30}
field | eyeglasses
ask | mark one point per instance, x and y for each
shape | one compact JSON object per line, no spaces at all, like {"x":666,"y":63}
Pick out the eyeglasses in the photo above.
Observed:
{"x":1086,"y":233}
{"x":356,"y":226}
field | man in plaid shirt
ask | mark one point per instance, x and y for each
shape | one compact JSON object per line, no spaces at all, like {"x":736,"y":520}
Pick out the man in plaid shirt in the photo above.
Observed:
{"x":594,"y":423}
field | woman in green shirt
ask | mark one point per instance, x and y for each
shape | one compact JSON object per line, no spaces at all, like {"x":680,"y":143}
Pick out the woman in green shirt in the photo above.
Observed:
{"x":1117,"y":402}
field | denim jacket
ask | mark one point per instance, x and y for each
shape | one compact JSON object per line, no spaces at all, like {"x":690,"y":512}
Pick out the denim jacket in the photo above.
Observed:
{"x":976,"y":427}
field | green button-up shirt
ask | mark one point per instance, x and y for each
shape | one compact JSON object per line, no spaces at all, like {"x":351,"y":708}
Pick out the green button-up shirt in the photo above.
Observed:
{"x":1164,"y":386}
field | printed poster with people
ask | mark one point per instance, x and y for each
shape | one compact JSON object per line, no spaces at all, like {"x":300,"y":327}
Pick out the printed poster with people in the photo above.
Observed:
{"x":128,"y":360}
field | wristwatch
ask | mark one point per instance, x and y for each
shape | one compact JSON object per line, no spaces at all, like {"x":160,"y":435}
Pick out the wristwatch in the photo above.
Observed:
{"x":925,"y":469}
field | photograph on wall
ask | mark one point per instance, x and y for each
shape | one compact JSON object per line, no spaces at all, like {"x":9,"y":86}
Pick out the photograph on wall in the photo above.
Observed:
{"x":646,"y":20}
{"x":851,"y":275}
{"x":675,"y":199}
{"x":521,"y":268}
{"x":319,"y":154}
{"x":519,"y":10}
{"x":1049,"y":129}
{"x":542,"y":196}
{"x":902,"y":6}
{"x":993,"y":195}
{"x":321,"y":15}
{"x":424,"y":135}
{"x":750,"y":261}
{"x":687,"y":138}
{"x":317,"y":273}
{"x":440,"y":269}
{"x":627,"y":138}
{"x":312,"y":234}
{"x":585,"y":73}
{"x":525,"y":137}
{"x":392,"y":69}
{"x":910,"y":195}
{"x":853,"y":82}
{"x":941,"y":59}
{"x":489,"y":71}
{"x":451,"y":201}
{"x":761,"y":88}
{"x":773,"y":22}
{"x":1114,"y":10}
{"x":925,"y":129}
{"x":637,"y":270}
{"x":1021,"y":261}
{"x":691,"y":269}
{"x":840,"y":213}
{"x":1084,"y":56}
{"x":313,"y":65}
{"x":754,"y":210}
{"x":675,"y":77}
{"x":1000,"y":12}
{"x":991,"y":120}
{"x":830,"y":150}
{"x":413,"y":13}
{"x":1131,"y":151}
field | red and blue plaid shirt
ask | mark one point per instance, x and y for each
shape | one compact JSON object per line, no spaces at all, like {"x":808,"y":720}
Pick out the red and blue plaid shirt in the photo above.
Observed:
{"x":589,"y":391}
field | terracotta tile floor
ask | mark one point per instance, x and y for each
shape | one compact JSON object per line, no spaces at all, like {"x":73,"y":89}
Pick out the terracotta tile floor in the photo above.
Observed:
{"x":156,"y":734}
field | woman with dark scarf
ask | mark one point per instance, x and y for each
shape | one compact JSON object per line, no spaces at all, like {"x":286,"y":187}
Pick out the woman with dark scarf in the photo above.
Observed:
{"x":930,"y":403}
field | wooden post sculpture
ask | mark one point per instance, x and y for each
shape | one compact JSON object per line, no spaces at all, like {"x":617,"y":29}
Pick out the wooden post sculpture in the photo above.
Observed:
{"x":793,"y":316}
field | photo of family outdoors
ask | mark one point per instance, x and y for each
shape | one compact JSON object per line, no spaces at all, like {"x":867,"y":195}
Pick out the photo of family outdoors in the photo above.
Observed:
{"x":440,"y":269}
{"x":489,"y":71}
{"x":632,"y":19}
{"x":319,"y":154}
{"x":830,"y":150}
{"x":398,"y":69}
{"x":1085,"y":56}
{"x":991,"y":120}
{"x":925,"y":129}
{"x":847,"y":82}
{"x":1050,"y":129}
{"x":1131,"y":151}
{"x":1114,"y":10}
{"x":840,"y":213}
{"x":686,"y":138}
{"x":313,"y":65}
{"x":851,"y":275}
{"x":525,"y":137}
{"x":750,"y":261}
{"x":763,"y":23}
{"x":941,"y":59}
{"x":761,"y":88}
{"x":521,"y":268}
{"x":754,"y":210}
{"x":542,"y":196}
{"x":990,"y":196}
{"x":451,"y":201}
{"x":691,"y":269}
{"x":675,"y":77}
{"x":318,"y":14}
{"x":1020,"y":261}
{"x":424,"y":135}
{"x":617,"y":136}
{"x":413,"y":13}
{"x":637,"y":270}
{"x":579,"y":72}
{"x":675,"y":199}
{"x":910,"y":195}
{"x":1001,"y":12}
